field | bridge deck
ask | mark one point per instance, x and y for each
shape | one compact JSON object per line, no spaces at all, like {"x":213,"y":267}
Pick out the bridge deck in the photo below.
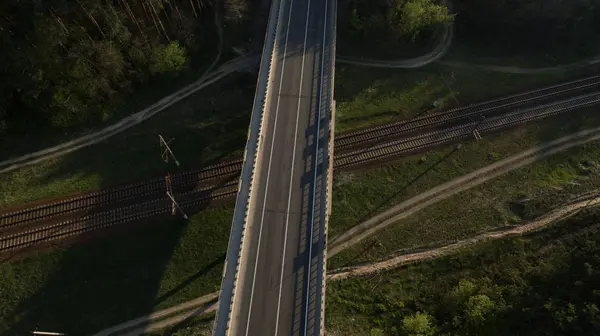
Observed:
{"x":278,"y":290}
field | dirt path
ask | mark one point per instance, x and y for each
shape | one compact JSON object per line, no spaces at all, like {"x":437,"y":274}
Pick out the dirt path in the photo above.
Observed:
{"x":441,"y":192}
{"x":396,"y":260}
{"x":441,"y":50}
{"x":219,"y":26}
{"x":403,"y":210}
{"x":207,"y":301}
{"x":124,"y":124}
{"x":438,"y":52}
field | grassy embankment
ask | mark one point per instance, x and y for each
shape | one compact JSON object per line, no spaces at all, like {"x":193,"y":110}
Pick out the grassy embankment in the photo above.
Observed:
{"x":508,"y":45}
{"x":359,"y":195}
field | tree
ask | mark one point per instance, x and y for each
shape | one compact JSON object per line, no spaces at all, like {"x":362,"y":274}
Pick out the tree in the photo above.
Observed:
{"x":376,"y":332}
{"x":459,"y":295}
{"x":412,"y":16}
{"x":418,"y":324}
{"x":170,"y":58}
{"x":68,"y":62}
{"x":477,"y":308}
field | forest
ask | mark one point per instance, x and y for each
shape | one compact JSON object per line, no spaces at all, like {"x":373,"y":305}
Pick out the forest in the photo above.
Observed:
{"x":70,"y":63}
{"x":526,"y":25}
{"x":66,"y":63}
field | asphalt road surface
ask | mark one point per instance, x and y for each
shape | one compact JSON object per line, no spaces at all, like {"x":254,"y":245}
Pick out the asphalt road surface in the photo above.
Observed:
{"x":278,"y":289}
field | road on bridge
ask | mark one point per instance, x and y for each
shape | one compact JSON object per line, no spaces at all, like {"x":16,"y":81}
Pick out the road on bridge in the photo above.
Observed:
{"x":278,"y":291}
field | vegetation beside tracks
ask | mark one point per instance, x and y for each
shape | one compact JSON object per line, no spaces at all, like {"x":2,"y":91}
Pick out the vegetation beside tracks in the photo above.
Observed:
{"x":205,"y":128}
{"x":504,"y":201}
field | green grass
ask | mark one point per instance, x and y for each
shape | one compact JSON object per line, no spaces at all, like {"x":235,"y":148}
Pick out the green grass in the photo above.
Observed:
{"x":206,"y":128}
{"x":359,"y":195}
{"x":84,"y":288}
{"x":198,"y":326}
{"x":367,"y":96}
{"x":531,"y":282}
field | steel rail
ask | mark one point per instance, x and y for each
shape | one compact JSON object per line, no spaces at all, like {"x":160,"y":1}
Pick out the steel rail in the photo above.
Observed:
{"x":126,"y":193}
{"x":205,"y":194}
{"x":462,"y":113}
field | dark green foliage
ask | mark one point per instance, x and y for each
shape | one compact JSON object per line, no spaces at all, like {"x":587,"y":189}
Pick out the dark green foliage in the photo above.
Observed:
{"x":418,"y":324}
{"x":65,"y":63}
{"x":409,"y":18}
{"x":169,"y":58}
{"x":399,"y":19}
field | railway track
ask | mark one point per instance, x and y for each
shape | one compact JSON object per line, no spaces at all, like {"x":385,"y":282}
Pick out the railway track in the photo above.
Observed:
{"x":463,"y":113}
{"x":116,"y":195}
{"x":77,"y":226}
{"x":120,"y":195}
{"x":452,"y":134}
{"x":120,"y":213}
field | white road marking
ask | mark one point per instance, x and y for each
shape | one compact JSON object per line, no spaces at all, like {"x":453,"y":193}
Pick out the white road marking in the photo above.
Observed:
{"x":289,"y":201}
{"x":287,"y":33}
{"x":312,"y":218}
